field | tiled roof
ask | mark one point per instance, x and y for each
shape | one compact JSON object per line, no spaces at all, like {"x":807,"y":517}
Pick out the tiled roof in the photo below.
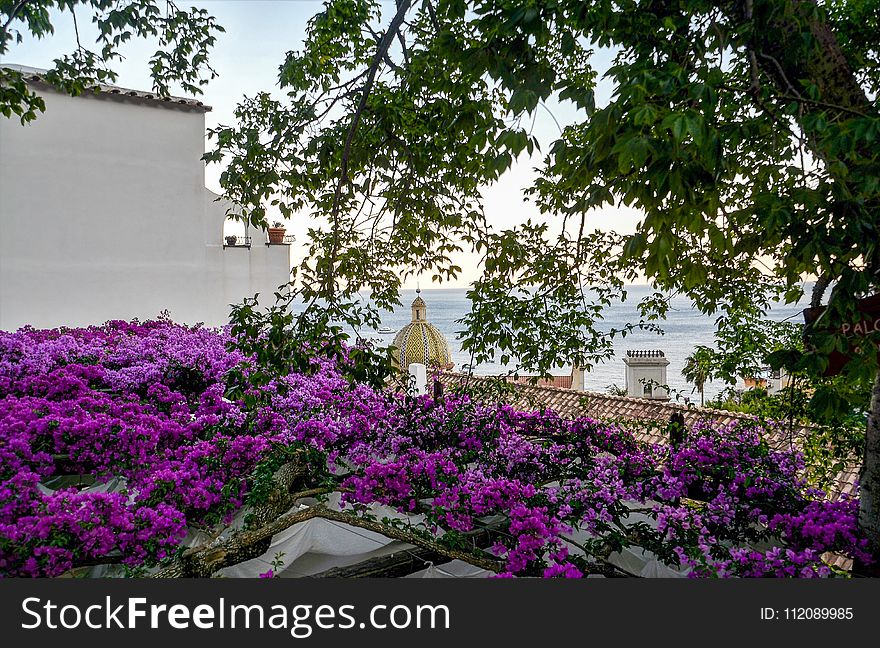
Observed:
{"x":569,"y":404}
{"x":563,"y":382}
{"x":36,"y":76}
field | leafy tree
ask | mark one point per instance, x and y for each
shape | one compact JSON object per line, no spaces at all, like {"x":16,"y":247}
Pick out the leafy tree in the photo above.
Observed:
{"x":184,"y":38}
{"x":281,"y":343}
{"x":745,"y":343}
{"x":745,"y":131}
{"x":698,"y":369}
{"x":834,"y":408}
{"x":834,"y":440}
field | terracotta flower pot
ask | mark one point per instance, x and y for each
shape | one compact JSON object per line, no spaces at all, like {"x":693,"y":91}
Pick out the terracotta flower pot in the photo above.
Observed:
{"x":276,"y":234}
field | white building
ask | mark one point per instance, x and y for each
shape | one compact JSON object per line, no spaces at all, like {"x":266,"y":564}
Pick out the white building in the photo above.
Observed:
{"x":773,"y":380}
{"x":646,"y":374}
{"x":104,"y":214}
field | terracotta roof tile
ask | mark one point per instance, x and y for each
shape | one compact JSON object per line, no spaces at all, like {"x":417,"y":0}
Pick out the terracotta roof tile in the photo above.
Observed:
{"x":36,"y":76}
{"x":563,"y":382}
{"x":572,"y":404}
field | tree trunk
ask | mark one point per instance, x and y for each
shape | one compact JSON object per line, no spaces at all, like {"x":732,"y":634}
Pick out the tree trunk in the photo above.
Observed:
{"x":869,"y":488}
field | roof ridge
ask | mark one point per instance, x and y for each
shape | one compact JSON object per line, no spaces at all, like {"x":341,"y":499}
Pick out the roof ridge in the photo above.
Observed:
{"x":630,"y":400}
{"x":38,"y":75}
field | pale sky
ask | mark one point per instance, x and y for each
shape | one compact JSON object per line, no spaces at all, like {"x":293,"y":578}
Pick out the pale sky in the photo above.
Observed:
{"x":247,"y":56}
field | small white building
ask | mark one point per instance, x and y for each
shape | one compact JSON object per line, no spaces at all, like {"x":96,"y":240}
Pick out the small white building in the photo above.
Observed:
{"x":646,"y":374}
{"x":104,"y":214}
{"x":773,"y":380}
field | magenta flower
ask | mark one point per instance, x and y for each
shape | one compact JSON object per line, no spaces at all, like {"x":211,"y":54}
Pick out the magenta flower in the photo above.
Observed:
{"x":140,"y":411}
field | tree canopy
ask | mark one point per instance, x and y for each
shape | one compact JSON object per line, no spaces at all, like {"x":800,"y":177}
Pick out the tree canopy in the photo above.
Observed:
{"x":742,"y":130}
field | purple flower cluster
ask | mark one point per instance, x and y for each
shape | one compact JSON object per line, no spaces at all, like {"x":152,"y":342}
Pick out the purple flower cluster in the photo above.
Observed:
{"x":145,"y":405}
{"x":139,"y":401}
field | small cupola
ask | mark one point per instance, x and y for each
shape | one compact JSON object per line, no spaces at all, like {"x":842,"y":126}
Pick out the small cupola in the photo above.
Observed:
{"x":419,"y":308}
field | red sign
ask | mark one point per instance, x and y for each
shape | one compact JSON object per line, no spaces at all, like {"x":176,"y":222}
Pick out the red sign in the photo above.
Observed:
{"x":869,"y":309}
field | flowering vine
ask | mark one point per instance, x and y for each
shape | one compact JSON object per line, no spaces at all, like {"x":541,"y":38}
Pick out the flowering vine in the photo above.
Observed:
{"x":145,"y":407}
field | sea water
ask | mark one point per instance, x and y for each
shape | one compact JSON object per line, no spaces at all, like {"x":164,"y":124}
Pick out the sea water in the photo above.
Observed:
{"x":684,"y":328}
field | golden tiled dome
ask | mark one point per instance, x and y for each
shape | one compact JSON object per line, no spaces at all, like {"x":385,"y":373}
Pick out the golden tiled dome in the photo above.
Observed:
{"x":421,"y":341}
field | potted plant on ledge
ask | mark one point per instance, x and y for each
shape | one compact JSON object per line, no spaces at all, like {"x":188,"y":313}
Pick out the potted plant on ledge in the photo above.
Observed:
{"x":276,"y":233}
{"x":231,"y":240}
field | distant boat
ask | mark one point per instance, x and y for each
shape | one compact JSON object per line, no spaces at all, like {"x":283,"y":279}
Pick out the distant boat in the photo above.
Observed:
{"x":385,"y":329}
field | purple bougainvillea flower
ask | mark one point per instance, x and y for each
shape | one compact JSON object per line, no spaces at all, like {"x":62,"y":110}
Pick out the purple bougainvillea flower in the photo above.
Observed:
{"x":141,"y":410}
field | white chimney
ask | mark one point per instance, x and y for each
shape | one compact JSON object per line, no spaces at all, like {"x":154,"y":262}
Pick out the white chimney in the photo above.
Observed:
{"x":645,"y":371}
{"x":577,"y":378}
{"x":418,"y":379}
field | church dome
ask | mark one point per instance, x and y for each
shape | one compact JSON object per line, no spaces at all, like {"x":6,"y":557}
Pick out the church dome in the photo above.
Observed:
{"x":420,"y":341}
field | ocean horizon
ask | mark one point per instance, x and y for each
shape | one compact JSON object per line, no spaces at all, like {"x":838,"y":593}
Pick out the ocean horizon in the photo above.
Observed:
{"x":684,"y":328}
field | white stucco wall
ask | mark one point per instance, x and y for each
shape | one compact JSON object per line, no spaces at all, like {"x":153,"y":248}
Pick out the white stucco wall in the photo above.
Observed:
{"x":104,"y":214}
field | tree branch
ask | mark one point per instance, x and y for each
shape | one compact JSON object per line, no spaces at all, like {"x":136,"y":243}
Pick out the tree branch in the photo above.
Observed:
{"x":402,"y":563}
{"x":381,"y":51}
{"x":203,"y":561}
{"x":15,"y":9}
